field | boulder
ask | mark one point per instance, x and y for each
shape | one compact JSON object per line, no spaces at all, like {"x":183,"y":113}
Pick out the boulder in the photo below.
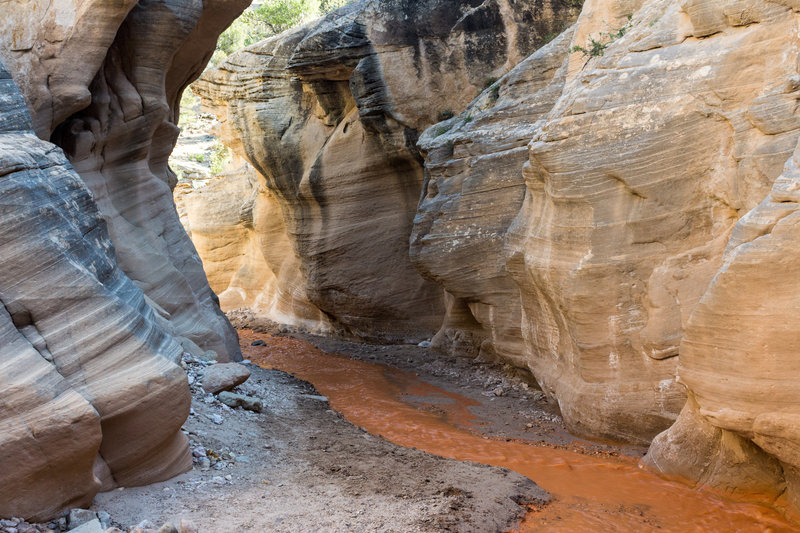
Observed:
{"x":224,"y":376}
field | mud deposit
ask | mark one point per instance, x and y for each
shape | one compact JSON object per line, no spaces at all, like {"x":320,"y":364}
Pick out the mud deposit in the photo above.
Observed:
{"x":300,"y":467}
{"x":595,"y":488}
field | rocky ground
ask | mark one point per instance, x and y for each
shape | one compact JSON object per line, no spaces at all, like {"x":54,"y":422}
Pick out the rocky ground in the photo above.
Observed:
{"x":298,"y":466}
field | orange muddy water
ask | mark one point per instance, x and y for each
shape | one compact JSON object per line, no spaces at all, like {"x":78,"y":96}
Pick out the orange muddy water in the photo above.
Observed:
{"x":591,"y":493}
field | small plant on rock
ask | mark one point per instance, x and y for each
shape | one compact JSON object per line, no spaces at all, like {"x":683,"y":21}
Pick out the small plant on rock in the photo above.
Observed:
{"x":597,"y":47}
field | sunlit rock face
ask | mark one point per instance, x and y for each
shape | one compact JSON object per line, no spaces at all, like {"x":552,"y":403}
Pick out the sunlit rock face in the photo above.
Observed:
{"x":102,"y":80}
{"x":741,"y":429}
{"x":329,"y":116}
{"x":473,"y":189}
{"x":91,"y":396}
{"x":633,"y":184}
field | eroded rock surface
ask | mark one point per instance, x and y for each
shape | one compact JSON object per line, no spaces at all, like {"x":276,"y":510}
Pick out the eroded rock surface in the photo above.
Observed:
{"x":634,"y":183}
{"x":103,"y":81}
{"x":741,"y":429}
{"x":473,"y":190}
{"x":329,"y":116}
{"x":90,"y":395}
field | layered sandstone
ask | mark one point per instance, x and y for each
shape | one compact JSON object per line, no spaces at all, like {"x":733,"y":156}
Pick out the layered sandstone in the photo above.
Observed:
{"x":473,"y":190}
{"x":740,"y":431}
{"x":329,"y":116}
{"x":91,"y":396}
{"x":655,"y":149}
{"x":103,"y":81}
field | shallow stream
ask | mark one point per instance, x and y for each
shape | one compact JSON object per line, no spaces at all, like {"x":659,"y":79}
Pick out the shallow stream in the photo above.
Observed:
{"x":590,"y":492}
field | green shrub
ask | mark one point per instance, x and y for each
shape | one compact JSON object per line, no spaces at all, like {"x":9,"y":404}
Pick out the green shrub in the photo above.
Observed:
{"x":597,"y":47}
{"x":220,"y":157}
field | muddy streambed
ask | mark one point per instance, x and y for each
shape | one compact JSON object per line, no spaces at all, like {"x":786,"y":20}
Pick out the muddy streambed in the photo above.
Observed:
{"x":591,"y":491}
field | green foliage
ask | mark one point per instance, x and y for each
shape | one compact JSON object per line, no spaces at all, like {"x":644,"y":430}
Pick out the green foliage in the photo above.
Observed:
{"x":490,"y":81}
{"x":468,"y":118}
{"x":445,"y":114}
{"x":188,"y":106}
{"x":270,"y":18}
{"x":220,"y":157}
{"x":597,"y":47}
{"x":441,"y":130}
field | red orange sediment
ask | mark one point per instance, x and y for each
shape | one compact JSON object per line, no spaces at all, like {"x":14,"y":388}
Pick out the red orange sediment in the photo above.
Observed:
{"x":591,"y":492}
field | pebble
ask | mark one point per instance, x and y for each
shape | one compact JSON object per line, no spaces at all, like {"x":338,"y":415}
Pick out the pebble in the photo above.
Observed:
{"x":499,"y":391}
{"x":250,"y":403}
{"x":204,"y":463}
{"x":199,"y":452}
{"x":78,"y":517}
{"x":215,"y":418}
{"x":218,"y":480}
{"x":258,"y":342}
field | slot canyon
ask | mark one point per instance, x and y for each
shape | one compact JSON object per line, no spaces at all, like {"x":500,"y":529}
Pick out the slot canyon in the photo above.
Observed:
{"x":399,"y":266}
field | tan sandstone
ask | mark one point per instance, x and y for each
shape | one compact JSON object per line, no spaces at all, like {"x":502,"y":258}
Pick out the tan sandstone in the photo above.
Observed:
{"x":329,"y":115}
{"x":103,"y":81}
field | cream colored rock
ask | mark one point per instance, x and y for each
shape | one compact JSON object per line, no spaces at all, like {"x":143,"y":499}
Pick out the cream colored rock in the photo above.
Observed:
{"x":90,"y":395}
{"x":739,"y":356}
{"x":634,"y":183}
{"x":329,"y":115}
{"x":103,"y":81}
{"x":473,"y":189}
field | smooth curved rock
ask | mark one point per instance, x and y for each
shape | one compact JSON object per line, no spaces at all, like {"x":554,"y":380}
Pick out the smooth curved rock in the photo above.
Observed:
{"x":90,"y":392}
{"x":473,"y":190}
{"x":739,"y":358}
{"x":329,"y":116}
{"x":634,"y":183}
{"x":103,"y":81}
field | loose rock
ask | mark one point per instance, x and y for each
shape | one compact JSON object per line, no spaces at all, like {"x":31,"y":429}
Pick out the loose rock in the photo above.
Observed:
{"x":223,"y":377}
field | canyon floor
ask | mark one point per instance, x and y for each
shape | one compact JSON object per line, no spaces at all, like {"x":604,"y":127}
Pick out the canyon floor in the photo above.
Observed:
{"x":299,"y":466}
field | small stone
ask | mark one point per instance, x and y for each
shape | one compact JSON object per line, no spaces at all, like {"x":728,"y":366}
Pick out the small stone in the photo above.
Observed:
{"x":204,"y":463}
{"x":258,"y":342}
{"x":218,"y":480}
{"x":8,"y":523}
{"x":215,"y":418}
{"x":499,"y":391}
{"x":243,"y":459}
{"x":229,"y":477}
{"x":424,"y":344}
{"x":92,"y":526}
{"x":11,"y":530}
{"x":187,"y":526}
{"x":240,"y":400}
{"x":113,"y":530}
{"x":225,"y":376}
{"x":78,"y":517}
{"x":199,"y":452}
{"x":168,"y":528}
{"x":144,"y":524}
{"x":105,"y":518}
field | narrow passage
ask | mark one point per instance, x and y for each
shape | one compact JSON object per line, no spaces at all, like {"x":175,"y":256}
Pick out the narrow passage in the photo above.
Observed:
{"x":591,"y":492}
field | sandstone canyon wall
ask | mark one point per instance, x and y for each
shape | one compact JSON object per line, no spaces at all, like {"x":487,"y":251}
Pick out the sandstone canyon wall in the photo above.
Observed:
{"x":329,"y":115}
{"x":101,"y":291}
{"x":90,"y":392}
{"x":103,"y":80}
{"x":602,"y":217}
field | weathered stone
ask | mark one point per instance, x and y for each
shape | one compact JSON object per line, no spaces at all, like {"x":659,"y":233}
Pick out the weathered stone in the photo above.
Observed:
{"x":187,"y":526}
{"x":78,"y":517}
{"x":93,"y":526}
{"x":66,"y":388}
{"x":473,"y":189}
{"x":103,"y":81}
{"x":739,"y":360}
{"x":634,"y":183}
{"x":92,"y":395}
{"x":224,"y":376}
{"x":241,"y":400}
{"x":328,"y":115}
